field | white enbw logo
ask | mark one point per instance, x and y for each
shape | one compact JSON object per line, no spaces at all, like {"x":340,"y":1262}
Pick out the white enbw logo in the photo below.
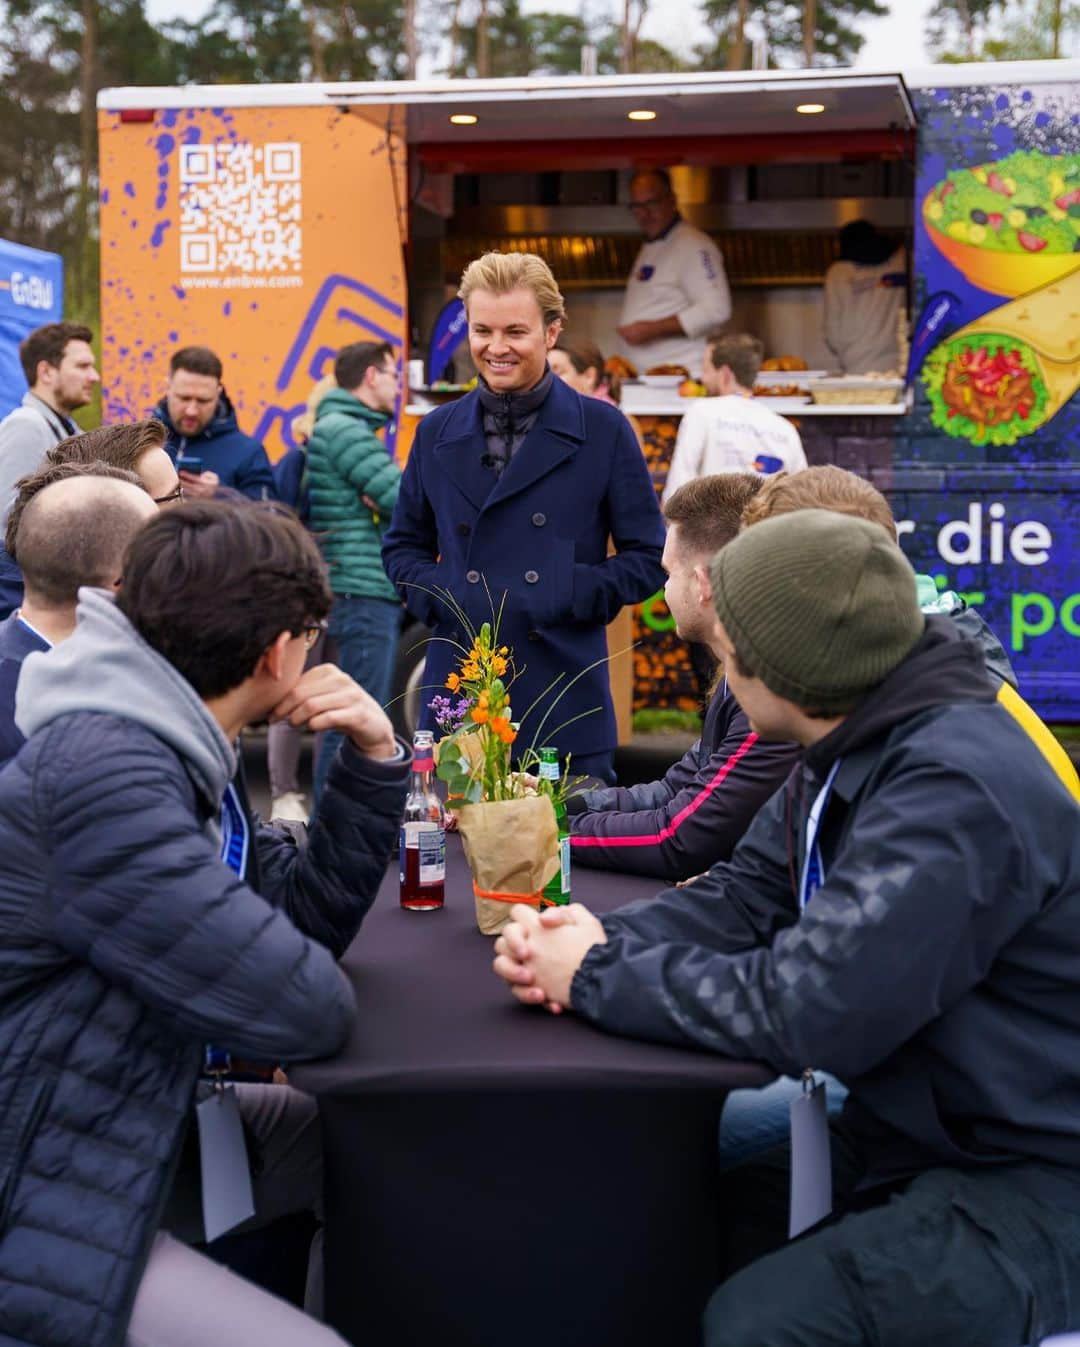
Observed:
{"x":31,"y":292}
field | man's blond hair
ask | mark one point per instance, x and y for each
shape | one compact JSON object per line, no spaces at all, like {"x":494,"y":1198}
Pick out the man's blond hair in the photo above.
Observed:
{"x":825,"y":487}
{"x":500,"y":273}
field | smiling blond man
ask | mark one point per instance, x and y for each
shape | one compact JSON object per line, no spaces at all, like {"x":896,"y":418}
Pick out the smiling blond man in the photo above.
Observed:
{"x":516,"y":489}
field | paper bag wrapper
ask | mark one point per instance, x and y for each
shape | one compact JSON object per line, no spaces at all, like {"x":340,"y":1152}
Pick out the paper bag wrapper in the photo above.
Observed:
{"x":512,"y":847}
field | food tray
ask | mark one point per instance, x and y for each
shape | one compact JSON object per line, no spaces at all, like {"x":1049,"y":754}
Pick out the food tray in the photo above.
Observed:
{"x":855,"y":391}
{"x":772,"y":377}
{"x":785,"y":404}
{"x":663,"y":380}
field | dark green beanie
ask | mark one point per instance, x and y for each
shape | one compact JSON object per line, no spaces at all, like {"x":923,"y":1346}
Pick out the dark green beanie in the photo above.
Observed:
{"x":820,"y":605}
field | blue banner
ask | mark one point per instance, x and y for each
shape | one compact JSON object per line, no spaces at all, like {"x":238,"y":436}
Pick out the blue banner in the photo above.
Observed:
{"x":31,"y":294}
{"x":446,"y":336}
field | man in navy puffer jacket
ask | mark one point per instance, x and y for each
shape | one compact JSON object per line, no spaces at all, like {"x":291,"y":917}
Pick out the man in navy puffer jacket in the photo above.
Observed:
{"x":128,"y":940}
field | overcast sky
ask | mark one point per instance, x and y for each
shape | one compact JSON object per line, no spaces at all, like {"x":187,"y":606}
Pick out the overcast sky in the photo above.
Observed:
{"x":894,"y":42}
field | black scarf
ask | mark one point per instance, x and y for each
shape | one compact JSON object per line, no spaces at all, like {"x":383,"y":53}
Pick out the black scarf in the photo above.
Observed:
{"x":508,"y":418}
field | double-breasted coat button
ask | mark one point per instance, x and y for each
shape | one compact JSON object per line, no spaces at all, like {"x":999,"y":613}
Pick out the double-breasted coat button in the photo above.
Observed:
{"x":473,"y":577}
{"x":531,"y":577}
{"x":539,"y":519}
{"x":534,"y":636}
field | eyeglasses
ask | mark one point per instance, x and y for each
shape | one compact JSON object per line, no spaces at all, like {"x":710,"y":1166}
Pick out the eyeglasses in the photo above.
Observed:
{"x":175,"y":495}
{"x":312,"y":632}
{"x":647,"y":204}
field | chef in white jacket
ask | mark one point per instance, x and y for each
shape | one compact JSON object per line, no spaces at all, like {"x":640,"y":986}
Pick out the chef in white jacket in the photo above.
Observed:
{"x":677,"y":291}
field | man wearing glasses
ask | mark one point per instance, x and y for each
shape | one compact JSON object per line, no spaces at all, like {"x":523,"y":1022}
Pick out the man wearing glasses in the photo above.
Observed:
{"x":353,"y":484}
{"x":677,"y":291}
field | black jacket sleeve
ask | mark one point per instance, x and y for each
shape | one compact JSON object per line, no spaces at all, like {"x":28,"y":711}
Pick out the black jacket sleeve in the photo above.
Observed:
{"x":696,"y":816}
{"x":328,"y":883}
{"x":911,"y":916}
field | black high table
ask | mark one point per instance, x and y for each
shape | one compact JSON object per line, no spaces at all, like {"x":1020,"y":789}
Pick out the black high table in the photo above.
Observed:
{"x":500,"y":1177}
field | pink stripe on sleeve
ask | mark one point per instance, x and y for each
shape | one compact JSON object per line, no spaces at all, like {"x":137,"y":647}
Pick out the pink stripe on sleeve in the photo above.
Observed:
{"x":669,"y":831}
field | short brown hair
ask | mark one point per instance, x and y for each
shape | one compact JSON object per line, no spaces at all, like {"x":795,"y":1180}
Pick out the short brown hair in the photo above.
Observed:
{"x":49,"y":343}
{"x":211,"y":584}
{"x":63,"y":546}
{"x":708,"y":510}
{"x":122,"y":446}
{"x":28,"y":487}
{"x":354,"y":361}
{"x":741,"y":353}
{"x":196,"y":360}
{"x":586,"y":355}
{"x":825,"y":487}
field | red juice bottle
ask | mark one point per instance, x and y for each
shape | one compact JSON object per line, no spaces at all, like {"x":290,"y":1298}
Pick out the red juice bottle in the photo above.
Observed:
{"x":422,"y":849}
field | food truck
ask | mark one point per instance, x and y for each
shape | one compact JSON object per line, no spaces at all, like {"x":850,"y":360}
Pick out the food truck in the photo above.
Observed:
{"x":277,"y":223}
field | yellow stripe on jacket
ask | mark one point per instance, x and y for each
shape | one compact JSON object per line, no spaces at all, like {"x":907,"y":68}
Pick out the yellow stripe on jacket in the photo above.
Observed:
{"x":1044,"y":741}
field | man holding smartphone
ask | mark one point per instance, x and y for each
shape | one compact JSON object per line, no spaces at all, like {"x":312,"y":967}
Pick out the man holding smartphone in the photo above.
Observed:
{"x":205,"y":442}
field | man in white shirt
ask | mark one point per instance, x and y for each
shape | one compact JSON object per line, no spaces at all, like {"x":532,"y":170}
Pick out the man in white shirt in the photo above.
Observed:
{"x":731,"y":430}
{"x":866,"y":301}
{"x":677,"y":291}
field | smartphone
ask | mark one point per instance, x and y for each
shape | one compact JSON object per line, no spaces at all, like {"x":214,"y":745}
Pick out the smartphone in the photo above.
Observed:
{"x":187,"y":463}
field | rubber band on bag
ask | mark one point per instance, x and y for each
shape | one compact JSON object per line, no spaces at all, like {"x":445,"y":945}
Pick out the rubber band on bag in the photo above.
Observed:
{"x":530,"y":899}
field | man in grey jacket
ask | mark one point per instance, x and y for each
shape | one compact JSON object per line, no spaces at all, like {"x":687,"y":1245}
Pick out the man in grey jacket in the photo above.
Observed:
{"x":61,"y":376}
{"x":905,"y":914}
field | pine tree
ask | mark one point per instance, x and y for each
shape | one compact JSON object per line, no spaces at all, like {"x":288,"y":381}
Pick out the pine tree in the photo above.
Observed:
{"x":815,"y":32}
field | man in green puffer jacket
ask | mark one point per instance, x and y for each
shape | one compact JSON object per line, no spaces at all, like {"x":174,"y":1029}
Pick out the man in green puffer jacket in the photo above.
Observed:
{"x":353,"y":484}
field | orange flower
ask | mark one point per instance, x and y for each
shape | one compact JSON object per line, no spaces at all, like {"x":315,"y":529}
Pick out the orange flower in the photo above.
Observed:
{"x":499,"y":665}
{"x":479,"y":715}
{"x":504,"y":650}
{"x":499,"y":725}
{"x":453,"y":682}
{"x":470,"y":672}
{"x":508,"y":736}
{"x":484,"y":698}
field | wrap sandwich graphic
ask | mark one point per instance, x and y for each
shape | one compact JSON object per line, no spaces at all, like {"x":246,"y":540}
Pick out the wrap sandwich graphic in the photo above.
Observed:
{"x":1007,"y":373}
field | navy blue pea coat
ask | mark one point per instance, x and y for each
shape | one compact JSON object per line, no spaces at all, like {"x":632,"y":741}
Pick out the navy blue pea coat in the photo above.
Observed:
{"x":539,"y":534}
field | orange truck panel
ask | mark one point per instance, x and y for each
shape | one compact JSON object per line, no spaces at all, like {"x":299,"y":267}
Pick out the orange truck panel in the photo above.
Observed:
{"x":272,"y":235}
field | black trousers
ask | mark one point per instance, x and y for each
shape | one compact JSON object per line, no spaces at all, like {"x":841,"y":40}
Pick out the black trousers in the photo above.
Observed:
{"x":953,"y":1258}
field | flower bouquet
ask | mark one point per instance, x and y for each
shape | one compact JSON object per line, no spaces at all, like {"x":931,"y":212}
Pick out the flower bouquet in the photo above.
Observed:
{"x":505,"y":817}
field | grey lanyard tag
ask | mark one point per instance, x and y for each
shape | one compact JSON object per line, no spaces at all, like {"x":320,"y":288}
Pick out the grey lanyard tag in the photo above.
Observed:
{"x":811,"y":1159}
{"x":226,"y":1177}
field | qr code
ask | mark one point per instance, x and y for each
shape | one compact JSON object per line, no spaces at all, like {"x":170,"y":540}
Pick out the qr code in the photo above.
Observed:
{"x":240,"y":208}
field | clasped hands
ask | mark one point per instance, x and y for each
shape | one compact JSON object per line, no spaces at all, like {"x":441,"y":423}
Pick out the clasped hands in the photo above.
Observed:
{"x":539,"y":952}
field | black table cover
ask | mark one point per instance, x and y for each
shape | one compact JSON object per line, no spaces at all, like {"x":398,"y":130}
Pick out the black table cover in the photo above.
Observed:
{"x":500,"y":1177}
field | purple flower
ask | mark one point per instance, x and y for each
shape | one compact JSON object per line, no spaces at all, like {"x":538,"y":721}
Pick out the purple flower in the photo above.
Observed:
{"x":448,"y":715}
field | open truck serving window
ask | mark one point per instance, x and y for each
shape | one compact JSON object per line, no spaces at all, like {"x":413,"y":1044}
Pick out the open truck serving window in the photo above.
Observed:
{"x":278,"y":223}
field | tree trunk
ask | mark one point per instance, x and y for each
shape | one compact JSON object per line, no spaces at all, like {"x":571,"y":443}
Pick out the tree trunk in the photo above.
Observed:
{"x":409,"y":35}
{"x":736,"y":56}
{"x":483,"y":59}
{"x":87,"y":128}
{"x":809,"y":24}
{"x":1055,"y":29}
{"x":967,"y":23}
{"x":317,"y":43}
{"x":453,"y":40}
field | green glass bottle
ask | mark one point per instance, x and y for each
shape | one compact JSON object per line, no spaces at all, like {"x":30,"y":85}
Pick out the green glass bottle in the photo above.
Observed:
{"x":557,"y":889}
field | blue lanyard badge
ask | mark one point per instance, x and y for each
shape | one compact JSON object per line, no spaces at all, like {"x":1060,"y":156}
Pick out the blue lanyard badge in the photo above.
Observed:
{"x":234,"y":832}
{"x":813,"y":875}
